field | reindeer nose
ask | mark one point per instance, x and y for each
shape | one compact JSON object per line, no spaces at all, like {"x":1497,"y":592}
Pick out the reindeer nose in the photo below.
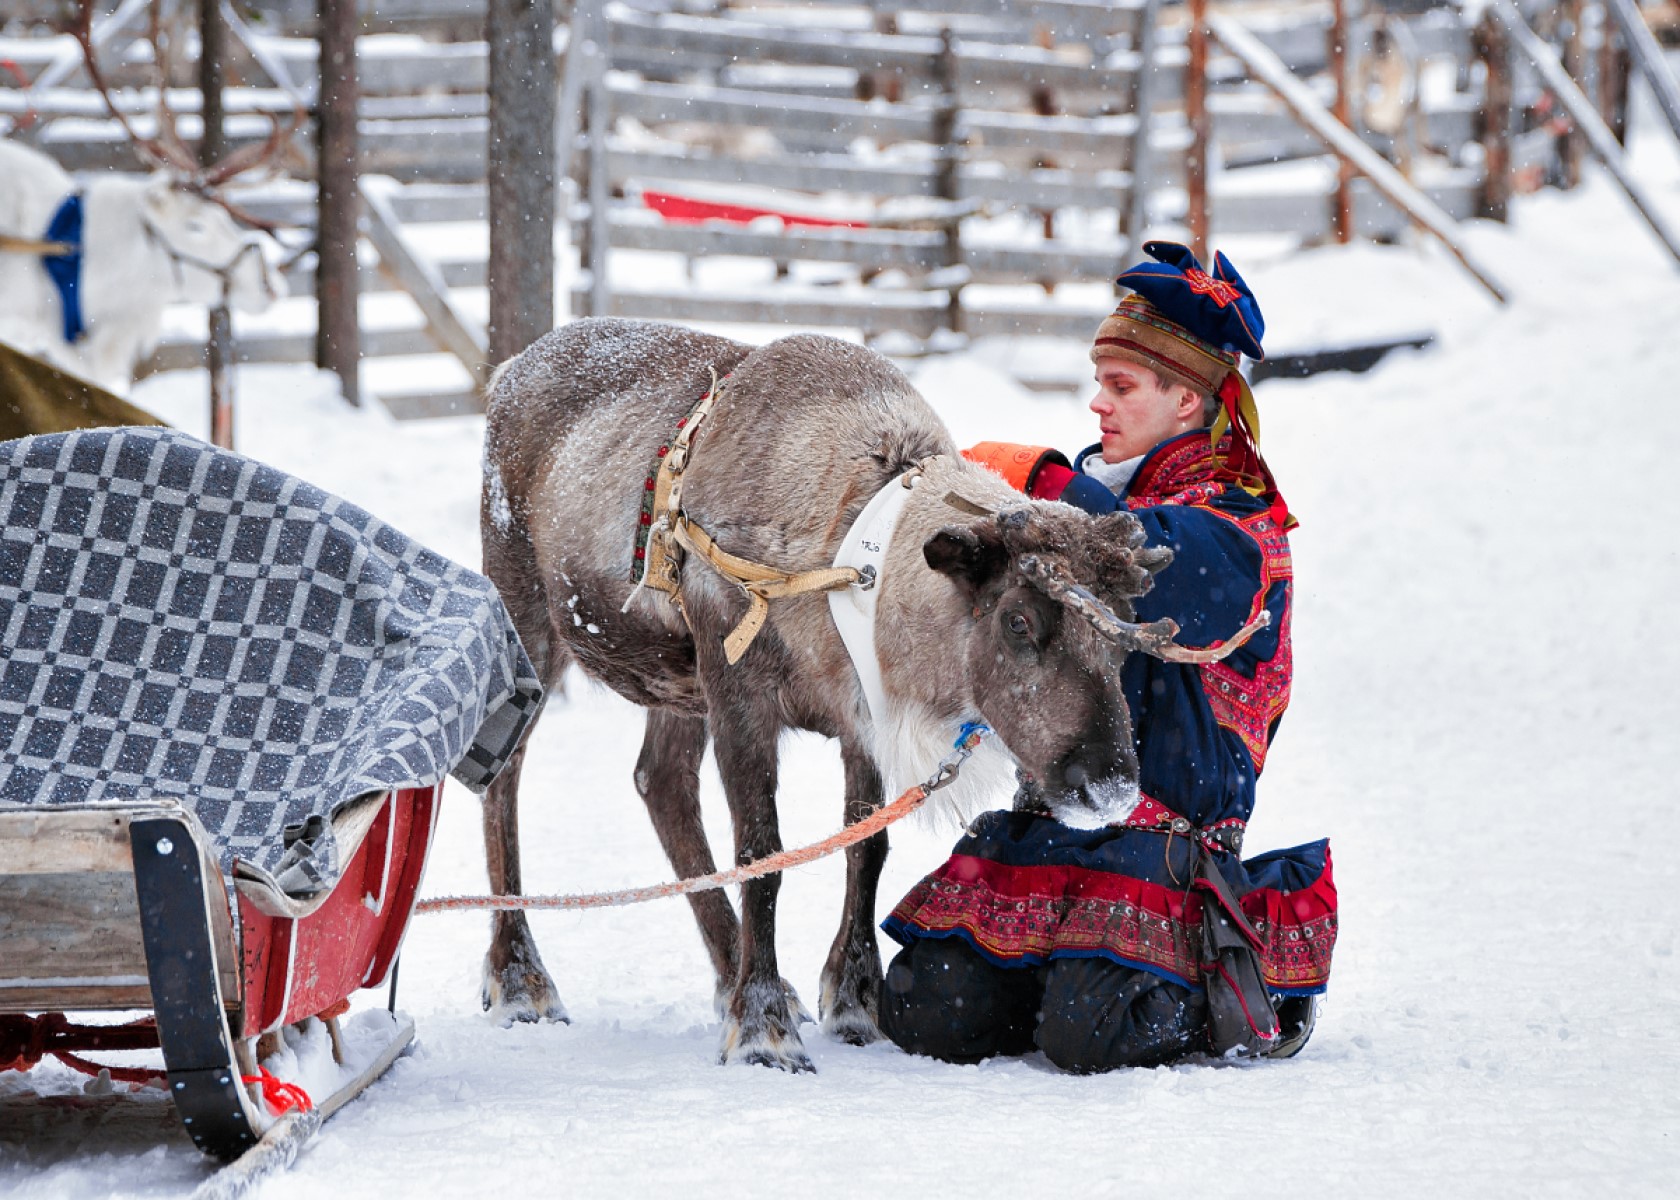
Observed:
{"x":1077,"y":776}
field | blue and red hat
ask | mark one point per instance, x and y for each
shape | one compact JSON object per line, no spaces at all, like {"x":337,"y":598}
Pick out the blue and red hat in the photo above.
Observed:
{"x":1193,"y":328}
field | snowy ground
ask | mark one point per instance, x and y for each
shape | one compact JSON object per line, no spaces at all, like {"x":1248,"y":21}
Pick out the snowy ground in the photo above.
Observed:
{"x":1484,"y":718}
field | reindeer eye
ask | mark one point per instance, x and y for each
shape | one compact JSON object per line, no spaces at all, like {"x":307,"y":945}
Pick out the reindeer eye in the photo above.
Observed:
{"x":1018,"y":624}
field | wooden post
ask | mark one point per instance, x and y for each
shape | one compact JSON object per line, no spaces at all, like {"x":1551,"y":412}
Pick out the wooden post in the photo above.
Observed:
{"x":1315,"y":118}
{"x":1615,"y":71}
{"x":950,"y":156}
{"x":1572,"y":143}
{"x":1195,"y":109}
{"x":520,"y":165}
{"x":1599,"y":138}
{"x":212,"y":145}
{"x":338,"y":341}
{"x":1639,"y":43}
{"x":1341,"y":206}
{"x":1493,"y":48}
{"x":597,"y":242}
{"x":1143,"y":108}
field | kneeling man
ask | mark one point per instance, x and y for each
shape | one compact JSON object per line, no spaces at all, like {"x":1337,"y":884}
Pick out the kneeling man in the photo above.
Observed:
{"x":1149,"y":939}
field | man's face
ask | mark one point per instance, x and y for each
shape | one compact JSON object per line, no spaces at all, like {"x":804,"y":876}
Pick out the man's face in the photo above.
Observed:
{"x":1137,"y":411}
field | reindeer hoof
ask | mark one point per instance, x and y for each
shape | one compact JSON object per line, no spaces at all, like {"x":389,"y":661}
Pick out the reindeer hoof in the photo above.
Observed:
{"x":850,"y":1004}
{"x":521,"y":992}
{"x":793,"y":1062}
{"x":854,"y":1026}
{"x":766,"y":1033}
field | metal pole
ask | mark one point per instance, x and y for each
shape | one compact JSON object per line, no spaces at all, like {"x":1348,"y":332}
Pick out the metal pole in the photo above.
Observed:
{"x":1195,"y":108}
{"x":212,"y":145}
{"x":338,"y":341}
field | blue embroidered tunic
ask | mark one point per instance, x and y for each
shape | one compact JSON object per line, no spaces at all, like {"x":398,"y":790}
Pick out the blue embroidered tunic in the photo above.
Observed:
{"x":1023,"y":888}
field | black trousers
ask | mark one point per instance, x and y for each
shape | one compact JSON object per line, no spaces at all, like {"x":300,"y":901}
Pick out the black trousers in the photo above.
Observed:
{"x":942,"y":999}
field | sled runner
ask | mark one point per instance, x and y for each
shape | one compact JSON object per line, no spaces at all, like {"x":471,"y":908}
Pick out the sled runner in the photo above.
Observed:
{"x":123,"y":906}
{"x":228,"y":701}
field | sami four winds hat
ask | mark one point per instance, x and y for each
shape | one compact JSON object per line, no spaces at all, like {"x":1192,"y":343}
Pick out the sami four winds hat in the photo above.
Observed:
{"x":1194,"y":328}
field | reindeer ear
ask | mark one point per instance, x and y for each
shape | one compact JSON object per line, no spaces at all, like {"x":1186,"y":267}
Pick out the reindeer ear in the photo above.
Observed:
{"x":159,"y":191}
{"x":1152,"y":560}
{"x":970,"y":554}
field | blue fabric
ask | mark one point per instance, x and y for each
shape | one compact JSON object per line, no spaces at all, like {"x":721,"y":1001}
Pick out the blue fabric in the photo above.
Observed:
{"x":1225,"y":316}
{"x":1186,"y":760}
{"x":65,"y":270}
{"x":1018,"y":839}
{"x":1290,"y":870}
{"x":1084,"y":492}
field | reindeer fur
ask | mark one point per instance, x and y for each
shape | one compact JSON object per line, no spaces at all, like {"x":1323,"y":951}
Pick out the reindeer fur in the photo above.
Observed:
{"x":128,"y":278}
{"x":807,"y":430}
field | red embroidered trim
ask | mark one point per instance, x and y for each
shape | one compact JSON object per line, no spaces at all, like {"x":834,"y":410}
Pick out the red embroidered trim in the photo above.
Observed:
{"x":1036,"y":913}
{"x":1153,"y":355}
{"x":1247,"y":706}
{"x":1217,"y":290}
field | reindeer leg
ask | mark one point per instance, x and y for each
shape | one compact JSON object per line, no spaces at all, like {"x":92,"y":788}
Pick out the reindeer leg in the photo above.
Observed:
{"x":851,"y":979}
{"x":761,"y":1024}
{"x":668,"y":779}
{"x":516,"y":985}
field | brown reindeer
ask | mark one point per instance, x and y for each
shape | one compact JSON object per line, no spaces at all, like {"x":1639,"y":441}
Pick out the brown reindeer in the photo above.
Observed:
{"x":1019,"y":617}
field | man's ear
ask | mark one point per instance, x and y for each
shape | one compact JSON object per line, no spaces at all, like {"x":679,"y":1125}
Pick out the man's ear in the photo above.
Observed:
{"x":971,"y":555}
{"x":1189,"y":405}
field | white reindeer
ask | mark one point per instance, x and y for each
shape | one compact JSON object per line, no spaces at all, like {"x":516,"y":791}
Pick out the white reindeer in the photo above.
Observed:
{"x":147,"y":242}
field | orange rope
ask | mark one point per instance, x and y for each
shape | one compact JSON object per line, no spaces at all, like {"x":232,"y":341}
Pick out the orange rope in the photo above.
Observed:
{"x":780,"y":861}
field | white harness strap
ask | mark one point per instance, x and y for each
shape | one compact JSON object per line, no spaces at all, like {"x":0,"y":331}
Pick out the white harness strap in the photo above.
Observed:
{"x":864,"y":549}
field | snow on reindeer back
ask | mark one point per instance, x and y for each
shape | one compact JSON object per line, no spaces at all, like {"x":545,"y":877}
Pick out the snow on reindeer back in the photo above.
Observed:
{"x":185,"y":623}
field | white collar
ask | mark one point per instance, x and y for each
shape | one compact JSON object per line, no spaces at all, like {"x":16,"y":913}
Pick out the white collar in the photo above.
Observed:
{"x":1113,"y":476}
{"x":864,"y":548}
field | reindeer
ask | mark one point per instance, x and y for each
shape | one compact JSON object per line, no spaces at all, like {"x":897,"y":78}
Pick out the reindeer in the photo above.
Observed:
{"x":147,"y":241}
{"x":991,"y":607}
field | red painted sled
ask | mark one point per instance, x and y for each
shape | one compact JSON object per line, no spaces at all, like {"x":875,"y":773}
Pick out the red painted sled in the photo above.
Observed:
{"x":122,"y":907}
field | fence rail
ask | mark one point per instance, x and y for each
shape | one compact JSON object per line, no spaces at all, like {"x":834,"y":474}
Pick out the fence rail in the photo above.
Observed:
{"x":1011,"y":129}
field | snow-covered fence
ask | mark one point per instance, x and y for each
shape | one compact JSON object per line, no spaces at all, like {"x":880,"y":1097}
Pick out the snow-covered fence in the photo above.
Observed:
{"x":1011,"y":129}
{"x":950,"y":151}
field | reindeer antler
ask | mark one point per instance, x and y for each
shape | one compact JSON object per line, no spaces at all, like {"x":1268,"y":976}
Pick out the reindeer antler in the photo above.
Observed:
{"x":1154,"y":638}
{"x":168,"y":151}
{"x":159,"y":152}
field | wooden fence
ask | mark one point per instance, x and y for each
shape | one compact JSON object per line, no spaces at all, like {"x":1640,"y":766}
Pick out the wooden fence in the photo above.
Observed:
{"x":970,"y":156}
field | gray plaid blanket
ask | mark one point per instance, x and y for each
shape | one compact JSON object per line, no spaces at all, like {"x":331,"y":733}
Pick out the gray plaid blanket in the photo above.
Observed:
{"x":184,"y":623}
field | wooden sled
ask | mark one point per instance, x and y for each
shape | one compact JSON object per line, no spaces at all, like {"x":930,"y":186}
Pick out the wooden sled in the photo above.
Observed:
{"x":123,"y":906}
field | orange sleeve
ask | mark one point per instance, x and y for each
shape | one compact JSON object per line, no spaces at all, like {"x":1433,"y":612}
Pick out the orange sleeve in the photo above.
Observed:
{"x":1017,"y":464}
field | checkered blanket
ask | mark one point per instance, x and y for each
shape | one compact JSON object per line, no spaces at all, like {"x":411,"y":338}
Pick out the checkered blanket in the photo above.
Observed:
{"x":181,"y":622}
